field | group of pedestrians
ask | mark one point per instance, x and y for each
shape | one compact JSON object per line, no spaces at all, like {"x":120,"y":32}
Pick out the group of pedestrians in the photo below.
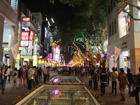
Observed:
{"x":26,"y":76}
{"x":32,"y":76}
{"x":119,"y":80}
{"x":5,"y":76}
{"x":100,"y":78}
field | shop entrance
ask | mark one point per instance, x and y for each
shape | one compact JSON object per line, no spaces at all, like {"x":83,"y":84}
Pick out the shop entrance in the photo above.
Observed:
{"x":125,"y":60}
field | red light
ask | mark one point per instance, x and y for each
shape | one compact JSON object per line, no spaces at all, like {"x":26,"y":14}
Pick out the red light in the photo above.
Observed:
{"x":24,"y":36}
{"x":31,"y":36}
{"x":26,"y":19}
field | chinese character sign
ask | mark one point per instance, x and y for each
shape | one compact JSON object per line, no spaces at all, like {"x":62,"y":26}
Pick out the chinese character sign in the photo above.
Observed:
{"x":24,"y":36}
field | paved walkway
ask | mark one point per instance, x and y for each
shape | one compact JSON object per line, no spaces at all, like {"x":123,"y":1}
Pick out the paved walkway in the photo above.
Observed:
{"x":110,"y":99}
{"x":13,"y":94}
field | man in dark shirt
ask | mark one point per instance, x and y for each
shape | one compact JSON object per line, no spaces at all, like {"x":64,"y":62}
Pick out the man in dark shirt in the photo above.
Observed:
{"x":103,"y":80}
{"x":130,"y":80}
{"x":137,"y":89}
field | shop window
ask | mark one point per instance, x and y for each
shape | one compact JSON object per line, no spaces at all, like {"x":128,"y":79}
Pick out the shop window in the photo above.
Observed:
{"x":138,"y":10}
{"x":14,"y":4}
{"x":124,"y":22}
{"x":125,"y":60}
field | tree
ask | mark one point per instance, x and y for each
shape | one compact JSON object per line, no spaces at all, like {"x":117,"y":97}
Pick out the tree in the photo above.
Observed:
{"x":85,"y":17}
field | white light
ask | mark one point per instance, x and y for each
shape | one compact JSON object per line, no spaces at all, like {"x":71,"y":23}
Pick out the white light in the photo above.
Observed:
{"x":46,"y":31}
{"x":52,"y":20}
{"x":46,"y":19}
{"x":49,"y":24}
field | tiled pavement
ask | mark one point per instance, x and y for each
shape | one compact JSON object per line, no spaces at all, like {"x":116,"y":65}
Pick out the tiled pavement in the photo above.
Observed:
{"x":13,"y":94}
{"x":110,"y":99}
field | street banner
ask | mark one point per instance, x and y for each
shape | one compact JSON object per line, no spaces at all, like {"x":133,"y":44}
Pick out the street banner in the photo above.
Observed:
{"x":14,"y":50}
{"x":117,"y":52}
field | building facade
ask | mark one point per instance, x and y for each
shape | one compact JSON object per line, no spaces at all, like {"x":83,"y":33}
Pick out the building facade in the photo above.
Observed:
{"x":124,"y":36}
{"x":28,"y":37}
{"x":8,"y":30}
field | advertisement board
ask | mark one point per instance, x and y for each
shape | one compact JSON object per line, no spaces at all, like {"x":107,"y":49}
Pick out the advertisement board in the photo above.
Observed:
{"x":26,"y":51}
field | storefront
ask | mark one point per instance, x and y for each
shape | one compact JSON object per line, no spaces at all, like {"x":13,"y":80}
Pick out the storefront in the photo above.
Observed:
{"x":8,"y":34}
{"x":124,"y":60}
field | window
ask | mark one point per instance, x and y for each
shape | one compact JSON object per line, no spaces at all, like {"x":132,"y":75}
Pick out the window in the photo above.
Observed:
{"x":138,"y":11}
{"x":124,"y":23}
{"x":112,"y":29}
{"x":109,"y":30}
{"x":115,"y":25}
{"x":14,"y":4}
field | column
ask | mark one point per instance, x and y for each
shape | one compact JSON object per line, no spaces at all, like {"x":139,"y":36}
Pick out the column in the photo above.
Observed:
{"x":137,"y":60}
{"x":1,"y":37}
{"x":13,"y":42}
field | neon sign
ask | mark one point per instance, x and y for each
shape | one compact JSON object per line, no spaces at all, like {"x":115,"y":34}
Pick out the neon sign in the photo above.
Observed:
{"x":31,"y":36}
{"x":26,"y":19}
{"x":24,"y":36}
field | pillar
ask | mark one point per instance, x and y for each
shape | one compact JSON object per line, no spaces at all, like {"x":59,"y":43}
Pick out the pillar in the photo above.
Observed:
{"x":137,"y":60}
{"x":13,"y":42}
{"x":1,"y":37}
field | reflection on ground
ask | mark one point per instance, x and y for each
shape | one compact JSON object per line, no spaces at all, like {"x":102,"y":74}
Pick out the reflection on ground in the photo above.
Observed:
{"x":62,"y":95}
{"x":65,"y":79}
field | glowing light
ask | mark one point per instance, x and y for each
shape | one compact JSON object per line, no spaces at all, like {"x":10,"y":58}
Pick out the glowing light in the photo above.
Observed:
{"x":18,"y":56}
{"x":56,"y":80}
{"x":6,"y":49}
{"x":24,"y":36}
{"x":42,"y":61}
{"x":56,"y":92}
{"x":20,"y":48}
{"x":31,"y":35}
{"x":26,"y":19}
{"x":52,"y":20}
{"x":40,"y":57}
{"x":39,"y":61}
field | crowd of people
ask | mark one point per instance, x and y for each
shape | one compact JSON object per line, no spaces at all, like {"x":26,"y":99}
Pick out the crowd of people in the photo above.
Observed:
{"x":118,"y":79}
{"x":100,"y":78}
{"x":26,"y":76}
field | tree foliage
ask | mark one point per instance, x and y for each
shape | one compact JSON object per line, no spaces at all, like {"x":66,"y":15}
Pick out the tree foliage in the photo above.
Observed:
{"x":85,"y":17}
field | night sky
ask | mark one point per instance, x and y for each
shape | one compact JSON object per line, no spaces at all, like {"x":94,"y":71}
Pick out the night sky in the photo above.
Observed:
{"x":58,"y":11}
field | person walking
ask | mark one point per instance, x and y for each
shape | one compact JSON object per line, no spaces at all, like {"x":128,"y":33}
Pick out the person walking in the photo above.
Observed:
{"x":45,"y":71}
{"x":15,"y":78}
{"x":123,"y":82}
{"x":9,"y":71}
{"x":137,"y":87}
{"x":114,"y":78}
{"x":30,"y":77}
{"x":103,"y":80}
{"x":95,"y":79}
{"x":130,"y":80}
{"x":3,"y":73}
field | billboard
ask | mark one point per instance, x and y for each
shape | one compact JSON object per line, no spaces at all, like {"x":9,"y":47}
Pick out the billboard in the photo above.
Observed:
{"x":26,"y":51}
{"x":24,"y":38}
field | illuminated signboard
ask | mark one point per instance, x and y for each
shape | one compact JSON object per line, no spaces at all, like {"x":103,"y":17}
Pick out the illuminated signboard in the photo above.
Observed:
{"x":24,"y":36}
{"x":31,"y":36}
{"x":24,"y":43}
{"x":26,"y":23}
{"x":26,"y":51}
{"x":56,"y":53}
{"x":26,"y":19}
